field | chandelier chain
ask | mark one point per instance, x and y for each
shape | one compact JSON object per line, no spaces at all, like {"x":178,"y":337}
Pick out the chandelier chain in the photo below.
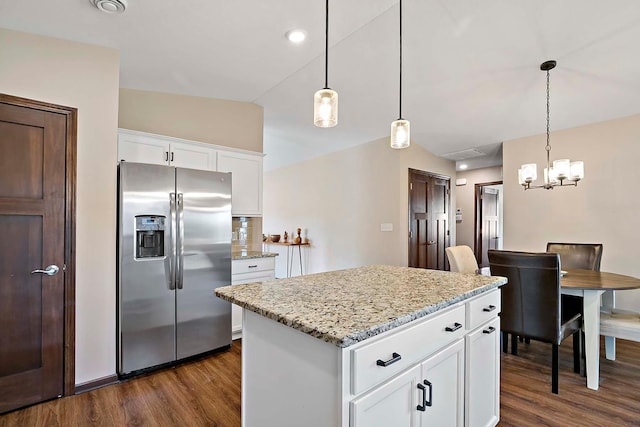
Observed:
{"x":548,"y":146}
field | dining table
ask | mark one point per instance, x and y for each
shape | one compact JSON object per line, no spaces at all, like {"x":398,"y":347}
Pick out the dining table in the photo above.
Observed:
{"x":590,"y":285}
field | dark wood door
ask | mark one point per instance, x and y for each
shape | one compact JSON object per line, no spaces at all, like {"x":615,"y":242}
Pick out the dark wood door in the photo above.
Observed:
{"x":428,"y":220}
{"x":32,"y":226}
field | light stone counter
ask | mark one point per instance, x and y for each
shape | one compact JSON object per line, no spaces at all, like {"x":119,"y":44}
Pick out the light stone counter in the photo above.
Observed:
{"x":347,"y":306}
{"x":252,"y":254}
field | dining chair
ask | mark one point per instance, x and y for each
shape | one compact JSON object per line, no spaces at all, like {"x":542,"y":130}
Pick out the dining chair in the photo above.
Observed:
{"x":585,"y":256}
{"x":531,"y":304}
{"x":462,"y":259}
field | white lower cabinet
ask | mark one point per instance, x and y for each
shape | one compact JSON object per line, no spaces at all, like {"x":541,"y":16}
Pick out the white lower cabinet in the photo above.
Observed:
{"x":248,"y":271}
{"x":391,"y":404}
{"x":429,"y":394}
{"x":483,"y":375}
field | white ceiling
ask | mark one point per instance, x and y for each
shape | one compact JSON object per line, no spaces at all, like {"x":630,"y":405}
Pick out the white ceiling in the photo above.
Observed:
{"x":471,"y":73}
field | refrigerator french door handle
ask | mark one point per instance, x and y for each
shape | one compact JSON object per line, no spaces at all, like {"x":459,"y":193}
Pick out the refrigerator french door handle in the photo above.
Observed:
{"x":172,"y":256}
{"x":180,"y":257}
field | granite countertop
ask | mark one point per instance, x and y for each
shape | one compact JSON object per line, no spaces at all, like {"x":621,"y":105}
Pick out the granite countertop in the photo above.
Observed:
{"x":252,"y":254}
{"x":347,"y":306}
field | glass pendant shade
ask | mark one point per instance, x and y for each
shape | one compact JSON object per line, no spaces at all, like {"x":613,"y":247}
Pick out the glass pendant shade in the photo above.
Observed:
{"x":529,"y":172}
{"x":577,"y":170}
{"x":325,"y":108}
{"x":561,"y":168}
{"x":550,"y":177}
{"x":400,"y":133}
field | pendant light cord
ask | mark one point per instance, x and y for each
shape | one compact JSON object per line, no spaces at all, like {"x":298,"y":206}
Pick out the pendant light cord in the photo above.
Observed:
{"x":326,"y":47}
{"x":400,"y":89}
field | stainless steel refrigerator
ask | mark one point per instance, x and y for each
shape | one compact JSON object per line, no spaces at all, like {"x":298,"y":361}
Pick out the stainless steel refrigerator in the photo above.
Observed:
{"x":174,"y":249}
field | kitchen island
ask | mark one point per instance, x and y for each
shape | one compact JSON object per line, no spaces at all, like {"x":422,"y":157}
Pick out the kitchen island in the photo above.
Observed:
{"x":375,"y":345}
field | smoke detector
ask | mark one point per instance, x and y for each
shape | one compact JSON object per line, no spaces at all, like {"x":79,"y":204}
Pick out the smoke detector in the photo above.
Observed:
{"x":110,"y":6}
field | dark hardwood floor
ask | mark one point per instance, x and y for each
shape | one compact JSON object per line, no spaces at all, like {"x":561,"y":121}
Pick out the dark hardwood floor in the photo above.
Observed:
{"x":207,"y":393}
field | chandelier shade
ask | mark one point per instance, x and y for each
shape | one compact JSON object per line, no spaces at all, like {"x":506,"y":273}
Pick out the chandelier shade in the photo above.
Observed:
{"x":564,"y":172}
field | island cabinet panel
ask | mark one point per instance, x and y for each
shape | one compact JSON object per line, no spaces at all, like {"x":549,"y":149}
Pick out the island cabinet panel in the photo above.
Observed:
{"x":411,"y":345}
{"x":482,"y":392}
{"x":393,"y":403}
{"x":289,"y":378}
{"x":429,"y":394}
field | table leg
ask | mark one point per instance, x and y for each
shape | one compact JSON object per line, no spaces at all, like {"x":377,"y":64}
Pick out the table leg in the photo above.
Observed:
{"x":610,"y":347}
{"x":591,"y":301}
{"x":300,"y":257}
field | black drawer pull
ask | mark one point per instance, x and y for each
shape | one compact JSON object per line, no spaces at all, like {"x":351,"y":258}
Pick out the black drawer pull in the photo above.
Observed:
{"x":490,"y":308}
{"x":490,"y":330}
{"x":455,"y":327}
{"x":394,"y":358}
{"x":425,"y":402}
{"x":253,"y":266}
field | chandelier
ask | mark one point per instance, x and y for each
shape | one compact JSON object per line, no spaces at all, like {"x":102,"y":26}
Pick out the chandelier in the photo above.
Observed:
{"x":564,"y":172}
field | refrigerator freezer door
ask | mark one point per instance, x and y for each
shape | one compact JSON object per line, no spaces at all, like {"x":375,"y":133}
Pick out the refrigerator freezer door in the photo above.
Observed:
{"x":146,"y":301}
{"x":204,"y":217}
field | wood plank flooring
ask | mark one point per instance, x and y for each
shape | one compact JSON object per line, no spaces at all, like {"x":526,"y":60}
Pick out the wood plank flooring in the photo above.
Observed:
{"x":207,"y":393}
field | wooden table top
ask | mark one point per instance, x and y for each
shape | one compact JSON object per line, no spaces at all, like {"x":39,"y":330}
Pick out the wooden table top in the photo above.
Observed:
{"x":589,"y":279}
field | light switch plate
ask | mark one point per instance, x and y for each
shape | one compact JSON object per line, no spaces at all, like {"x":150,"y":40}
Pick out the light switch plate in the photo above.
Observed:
{"x":387,"y":226}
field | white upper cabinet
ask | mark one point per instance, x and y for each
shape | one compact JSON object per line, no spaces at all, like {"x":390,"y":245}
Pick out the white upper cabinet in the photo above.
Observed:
{"x":245,"y":166}
{"x":161,"y":150}
{"x":246,"y":181}
{"x":143,"y":149}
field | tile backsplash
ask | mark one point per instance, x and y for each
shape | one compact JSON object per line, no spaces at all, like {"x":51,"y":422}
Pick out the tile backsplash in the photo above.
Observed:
{"x":246,"y":234}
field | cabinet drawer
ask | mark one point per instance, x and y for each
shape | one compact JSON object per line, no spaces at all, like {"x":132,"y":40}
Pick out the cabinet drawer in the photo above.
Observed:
{"x":254,"y":276}
{"x":411,"y":345}
{"x":239,"y":266}
{"x":483,"y":308}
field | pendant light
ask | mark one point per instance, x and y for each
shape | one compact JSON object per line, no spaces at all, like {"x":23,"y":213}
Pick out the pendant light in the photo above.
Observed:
{"x":325,"y":101}
{"x":564,"y":172}
{"x":400,"y":129}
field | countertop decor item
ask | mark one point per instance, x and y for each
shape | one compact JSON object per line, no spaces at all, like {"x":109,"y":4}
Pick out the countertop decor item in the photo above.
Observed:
{"x":297,"y":240}
{"x":564,"y":172}
{"x":275,"y":238}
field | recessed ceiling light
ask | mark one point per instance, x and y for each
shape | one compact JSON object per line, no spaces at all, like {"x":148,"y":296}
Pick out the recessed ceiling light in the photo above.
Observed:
{"x":463,"y":166}
{"x":110,"y":6}
{"x":296,"y":36}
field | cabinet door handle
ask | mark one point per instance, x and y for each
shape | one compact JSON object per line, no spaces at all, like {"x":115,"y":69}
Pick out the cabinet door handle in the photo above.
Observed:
{"x":253,"y":266}
{"x":490,"y":308}
{"x":172,"y":156}
{"x":455,"y":327}
{"x":166,"y":156}
{"x":425,"y":402}
{"x":384,"y":363}
{"x":489,"y":330}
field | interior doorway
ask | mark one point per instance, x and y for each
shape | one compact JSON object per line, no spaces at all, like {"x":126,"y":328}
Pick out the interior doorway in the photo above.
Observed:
{"x":488,"y":220}
{"x":37,"y":269}
{"x":429,"y":207}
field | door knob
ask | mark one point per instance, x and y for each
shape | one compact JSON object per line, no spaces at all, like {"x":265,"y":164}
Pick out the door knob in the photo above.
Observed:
{"x":50,"y":270}
{"x":431,"y":242}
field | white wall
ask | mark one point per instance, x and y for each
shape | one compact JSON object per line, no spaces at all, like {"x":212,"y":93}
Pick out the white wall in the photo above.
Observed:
{"x":602,"y":208}
{"x":84,"y":77}
{"x":465,"y":200}
{"x":341,"y":199}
